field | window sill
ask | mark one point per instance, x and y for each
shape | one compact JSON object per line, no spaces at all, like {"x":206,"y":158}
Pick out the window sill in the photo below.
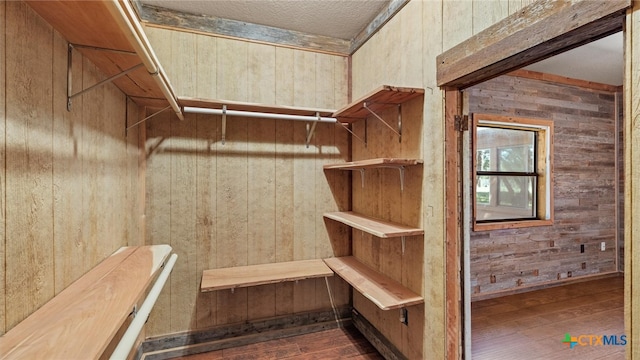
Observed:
{"x":510,"y":224}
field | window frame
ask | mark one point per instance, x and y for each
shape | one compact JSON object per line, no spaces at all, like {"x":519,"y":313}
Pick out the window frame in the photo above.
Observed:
{"x":544,"y":170}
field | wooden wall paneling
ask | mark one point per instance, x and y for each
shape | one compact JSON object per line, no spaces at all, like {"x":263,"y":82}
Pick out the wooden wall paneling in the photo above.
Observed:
{"x":29,"y":224}
{"x":231,"y":75}
{"x":3,"y":149}
{"x":158,"y":208}
{"x":206,"y":74}
{"x":411,"y":25}
{"x":632,"y":190}
{"x":304,"y":179}
{"x":184,"y":61}
{"x":232,"y":217}
{"x":184,"y":286}
{"x":135,"y":166}
{"x":67,"y":163}
{"x":457,"y":22}
{"x":284,"y":147}
{"x":487,"y":13}
{"x":208,"y":137}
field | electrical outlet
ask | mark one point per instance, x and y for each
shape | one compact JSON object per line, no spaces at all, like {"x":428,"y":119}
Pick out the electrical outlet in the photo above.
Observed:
{"x":603,"y":246}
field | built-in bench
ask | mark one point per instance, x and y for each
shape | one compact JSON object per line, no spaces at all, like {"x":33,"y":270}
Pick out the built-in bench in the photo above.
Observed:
{"x":254,"y":275}
{"x":82,"y":321}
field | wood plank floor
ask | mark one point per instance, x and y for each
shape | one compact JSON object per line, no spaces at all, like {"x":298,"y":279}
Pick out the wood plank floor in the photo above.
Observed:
{"x":532,"y":325}
{"x":341,"y":343}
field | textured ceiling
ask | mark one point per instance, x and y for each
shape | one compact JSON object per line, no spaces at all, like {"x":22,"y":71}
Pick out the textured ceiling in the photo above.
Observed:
{"x":342,"y":19}
{"x":600,"y":61}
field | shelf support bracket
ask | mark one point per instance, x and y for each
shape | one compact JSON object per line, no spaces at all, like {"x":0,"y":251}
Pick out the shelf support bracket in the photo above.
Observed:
{"x":148,"y":117}
{"x":71,"y":94}
{"x":352,"y":133}
{"x":401,"y":169}
{"x":362,"y":176}
{"x":404,"y":243}
{"x":399,"y":131}
{"x":224,"y":123}
{"x":311,"y":129}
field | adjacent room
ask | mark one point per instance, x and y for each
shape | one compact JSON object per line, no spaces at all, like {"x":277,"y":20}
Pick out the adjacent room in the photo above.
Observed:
{"x":275,"y":179}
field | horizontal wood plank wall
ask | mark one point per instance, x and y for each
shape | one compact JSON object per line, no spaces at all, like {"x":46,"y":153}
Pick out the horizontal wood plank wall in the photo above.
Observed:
{"x":404,"y":53}
{"x":258,"y":198}
{"x":584,"y":188}
{"x":67,"y":176}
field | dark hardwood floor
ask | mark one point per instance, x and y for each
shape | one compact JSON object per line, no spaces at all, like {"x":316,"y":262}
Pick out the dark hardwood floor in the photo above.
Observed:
{"x":341,"y":343}
{"x":533,"y":325}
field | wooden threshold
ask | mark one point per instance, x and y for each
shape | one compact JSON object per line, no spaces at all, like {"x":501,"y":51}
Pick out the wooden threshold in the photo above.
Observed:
{"x":378,"y":100}
{"x":254,"y":275}
{"x":373,"y":164}
{"x":82,"y":320}
{"x":373,"y":226}
{"x":383,"y":291}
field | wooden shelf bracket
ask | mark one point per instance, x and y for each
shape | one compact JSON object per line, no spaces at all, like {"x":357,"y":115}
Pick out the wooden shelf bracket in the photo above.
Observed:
{"x":399,"y":131}
{"x":70,"y":93}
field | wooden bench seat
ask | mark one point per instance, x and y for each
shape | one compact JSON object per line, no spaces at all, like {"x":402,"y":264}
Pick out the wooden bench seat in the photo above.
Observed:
{"x":254,"y":275}
{"x":383,"y":291}
{"x":82,"y":320}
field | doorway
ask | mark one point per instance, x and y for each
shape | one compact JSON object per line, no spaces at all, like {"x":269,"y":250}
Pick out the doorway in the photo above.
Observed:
{"x":486,"y":56}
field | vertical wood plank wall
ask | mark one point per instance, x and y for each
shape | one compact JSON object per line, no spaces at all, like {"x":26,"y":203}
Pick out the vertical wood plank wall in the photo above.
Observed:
{"x":584,"y":180}
{"x":258,"y":198}
{"x":403,"y":53}
{"x":68,"y":179}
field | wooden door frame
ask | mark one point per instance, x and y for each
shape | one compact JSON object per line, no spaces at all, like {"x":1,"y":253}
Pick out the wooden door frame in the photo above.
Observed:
{"x":559,"y":25}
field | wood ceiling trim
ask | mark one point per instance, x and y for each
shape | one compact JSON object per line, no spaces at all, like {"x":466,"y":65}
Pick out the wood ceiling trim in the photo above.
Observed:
{"x":211,"y":25}
{"x":540,"y":30}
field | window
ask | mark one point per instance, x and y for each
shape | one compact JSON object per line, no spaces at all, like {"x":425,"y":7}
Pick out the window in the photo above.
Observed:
{"x":512,"y":172}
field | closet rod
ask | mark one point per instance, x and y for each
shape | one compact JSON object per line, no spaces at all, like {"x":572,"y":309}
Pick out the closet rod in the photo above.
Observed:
{"x":197,"y":110}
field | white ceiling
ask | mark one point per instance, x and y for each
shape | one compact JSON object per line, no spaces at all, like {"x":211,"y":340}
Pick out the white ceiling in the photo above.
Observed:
{"x":600,"y":61}
{"x":342,"y":19}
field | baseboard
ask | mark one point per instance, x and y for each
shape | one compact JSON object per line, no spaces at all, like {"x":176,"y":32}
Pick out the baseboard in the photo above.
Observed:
{"x":381,"y":343}
{"x":546,"y":285}
{"x":223,"y":337}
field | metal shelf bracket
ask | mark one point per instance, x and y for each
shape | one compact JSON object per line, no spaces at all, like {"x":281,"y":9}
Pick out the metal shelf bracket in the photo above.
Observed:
{"x":404,"y":243}
{"x":311,"y":129}
{"x":224,"y":124}
{"x":399,"y":131}
{"x":70,"y":93}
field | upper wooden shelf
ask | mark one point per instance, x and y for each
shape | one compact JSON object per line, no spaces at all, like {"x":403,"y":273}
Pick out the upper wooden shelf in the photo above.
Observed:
{"x":255,"y":107}
{"x":82,"y":320}
{"x":373,"y":163}
{"x":373,"y":226}
{"x":254,"y":275}
{"x":383,"y":291}
{"x":378,"y":100}
{"x":102,"y":24}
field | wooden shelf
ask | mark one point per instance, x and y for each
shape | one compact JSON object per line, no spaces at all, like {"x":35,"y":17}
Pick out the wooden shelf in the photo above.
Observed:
{"x":254,"y":275}
{"x":385,"y":292}
{"x":245,"y":106}
{"x":82,"y":320}
{"x":373,"y":226}
{"x":99,"y":24}
{"x":373,"y":163}
{"x":378,"y":100}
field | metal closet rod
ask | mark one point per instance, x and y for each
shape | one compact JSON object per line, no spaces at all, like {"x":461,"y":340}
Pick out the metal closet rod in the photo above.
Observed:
{"x":255,"y":114}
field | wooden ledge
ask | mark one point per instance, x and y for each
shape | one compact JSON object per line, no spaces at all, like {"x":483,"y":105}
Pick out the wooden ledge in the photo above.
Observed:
{"x":378,"y":100}
{"x":373,"y":226}
{"x":383,"y":291}
{"x":373,"y":164}
{"x":254,"y":275}
{"x":81,"y":321}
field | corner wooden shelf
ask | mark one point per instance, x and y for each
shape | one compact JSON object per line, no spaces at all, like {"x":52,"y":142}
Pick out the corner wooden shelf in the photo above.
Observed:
{"x":83,"y":320}
{"x":378,"y":100}
{"x":383,"y":291}
{"x":254,"y":275}
{"x":109,"y":34}
{"x":373,"y":164}
{"x":373,"y":226}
